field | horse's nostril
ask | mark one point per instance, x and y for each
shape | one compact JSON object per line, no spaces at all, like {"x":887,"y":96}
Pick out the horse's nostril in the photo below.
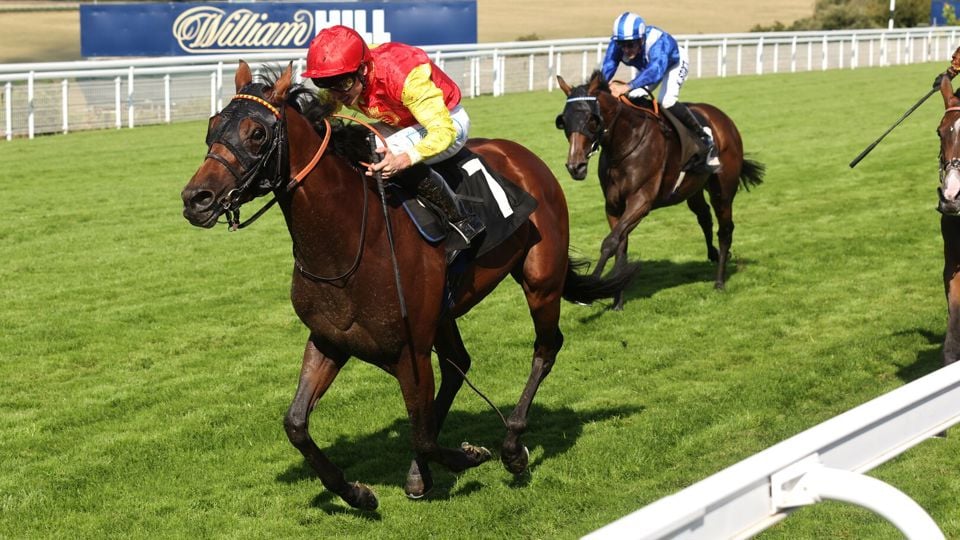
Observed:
{"x":201,"y":200}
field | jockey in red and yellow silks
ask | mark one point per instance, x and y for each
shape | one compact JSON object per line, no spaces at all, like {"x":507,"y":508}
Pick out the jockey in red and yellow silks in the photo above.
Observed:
{"x":416,"y":104}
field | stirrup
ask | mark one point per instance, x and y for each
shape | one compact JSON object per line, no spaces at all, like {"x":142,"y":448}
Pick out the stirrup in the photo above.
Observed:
{"x":468,"y":228}
{"x":713,"y":159}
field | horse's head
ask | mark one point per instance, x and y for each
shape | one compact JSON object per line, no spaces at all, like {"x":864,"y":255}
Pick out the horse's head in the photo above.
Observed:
{"x":246,"y":151}
{"x":949,"y":132}
{"x":581,"y":122}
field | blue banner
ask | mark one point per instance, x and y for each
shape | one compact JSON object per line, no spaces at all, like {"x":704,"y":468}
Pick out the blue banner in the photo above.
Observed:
{"x":181,"y":28}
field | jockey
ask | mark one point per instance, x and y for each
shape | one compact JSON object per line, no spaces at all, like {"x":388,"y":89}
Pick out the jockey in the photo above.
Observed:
{"x":660,"y":61}
{"x":416,"y":106}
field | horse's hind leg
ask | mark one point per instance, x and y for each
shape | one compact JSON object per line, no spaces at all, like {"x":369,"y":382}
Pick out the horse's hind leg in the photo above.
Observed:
{"x":543,"y":297}
{"x":698,"y":205}
{"x":317,"y":373}
{"x":721,"y":198}
{"x":454,"y":364}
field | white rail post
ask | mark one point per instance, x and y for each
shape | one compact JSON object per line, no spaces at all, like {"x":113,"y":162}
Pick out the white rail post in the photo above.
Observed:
{"x":503,"y":74}
{"x":530,"y":72}
{"x":116,"y":102}
{"x":870,"y":53}
{"x":823,"y":53}
{"x":130,"y":111}
{"x":30,"y":106}
{"x":64,"y":105}
{"x":559,"y":65}
{"x":583,"y":67}
{"x":551,"y":69}
{"x":759,"y":60}
{"x":793,"y":55}
{"x":8,"y":108}
{"x":473,"y":76}
{"x":219,"y":73}
{"x":739,"y":58}
{"x":840,"y":55}
{"x":166,"y":98}
{"x":495,"y":70}
{"x":599,"y":53}
{"x":776,"y":57}
{"x":213,"y":93}
{"x":854,"y":53}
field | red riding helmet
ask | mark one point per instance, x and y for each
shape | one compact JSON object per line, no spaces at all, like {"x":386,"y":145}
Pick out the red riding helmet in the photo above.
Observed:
{"x":337,"y":50}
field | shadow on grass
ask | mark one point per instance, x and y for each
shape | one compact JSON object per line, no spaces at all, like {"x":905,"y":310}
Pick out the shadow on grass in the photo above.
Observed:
{"x":383,"y":457}
{"x":928,"y":360}
{"x":656,"y":276}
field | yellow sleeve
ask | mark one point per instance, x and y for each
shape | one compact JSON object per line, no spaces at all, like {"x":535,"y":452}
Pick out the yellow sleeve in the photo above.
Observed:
{"x":424,"y":100}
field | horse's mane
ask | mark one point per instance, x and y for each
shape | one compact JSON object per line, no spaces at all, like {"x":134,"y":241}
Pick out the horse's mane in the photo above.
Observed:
{"x":347,"y":140}
{"x":602,"y":85}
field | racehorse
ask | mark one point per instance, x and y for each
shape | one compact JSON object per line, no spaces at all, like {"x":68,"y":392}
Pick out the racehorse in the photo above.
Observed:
{"x":640,"y":167}
{"x":949,"y":207}
{"x":344,"y":279}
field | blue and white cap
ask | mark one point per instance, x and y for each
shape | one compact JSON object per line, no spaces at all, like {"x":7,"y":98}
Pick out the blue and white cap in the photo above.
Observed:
{"x":628,"y":26}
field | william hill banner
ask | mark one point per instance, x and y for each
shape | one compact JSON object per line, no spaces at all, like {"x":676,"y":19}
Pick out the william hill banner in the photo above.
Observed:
{"x":181,"y":28}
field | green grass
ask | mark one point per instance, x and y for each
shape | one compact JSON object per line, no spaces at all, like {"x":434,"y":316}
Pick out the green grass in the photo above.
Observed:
{"x":146,"y":364}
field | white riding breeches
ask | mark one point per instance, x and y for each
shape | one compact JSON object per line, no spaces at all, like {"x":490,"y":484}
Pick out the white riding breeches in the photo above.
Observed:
{"x":399,"y":140}
{"x":671,"y":83}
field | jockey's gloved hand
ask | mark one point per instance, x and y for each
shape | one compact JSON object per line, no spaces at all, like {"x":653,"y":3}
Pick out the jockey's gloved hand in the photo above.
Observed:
{"x":938,"y":80}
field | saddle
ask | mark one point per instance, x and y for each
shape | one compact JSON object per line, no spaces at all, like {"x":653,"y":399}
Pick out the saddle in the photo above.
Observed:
{"x":692,"y":150}
{"x":500,"y":204}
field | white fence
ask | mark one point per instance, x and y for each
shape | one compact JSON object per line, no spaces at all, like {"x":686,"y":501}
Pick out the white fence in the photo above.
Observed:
{"x":59,"y":97}
{"x":824,"y":462}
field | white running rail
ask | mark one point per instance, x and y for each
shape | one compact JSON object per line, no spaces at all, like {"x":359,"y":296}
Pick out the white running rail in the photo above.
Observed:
{"x":58,"y":97}
{"x":824,"y":462}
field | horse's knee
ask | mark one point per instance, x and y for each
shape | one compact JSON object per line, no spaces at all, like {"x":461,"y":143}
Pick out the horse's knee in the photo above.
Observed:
{"x":297,"y":430}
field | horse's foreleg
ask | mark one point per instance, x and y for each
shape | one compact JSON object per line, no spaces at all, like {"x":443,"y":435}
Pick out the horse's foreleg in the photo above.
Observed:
{"x":950,"y":229}
{"x":698,"y":205}
{"x":454,"y":364}
{"x":608,"y":248}
{"x":316,"y":375}
{"x":415,"y":376}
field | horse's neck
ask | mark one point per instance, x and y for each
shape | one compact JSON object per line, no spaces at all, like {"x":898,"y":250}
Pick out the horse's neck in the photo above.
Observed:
{"x":627,"y":128}
{"x":326,"y":211}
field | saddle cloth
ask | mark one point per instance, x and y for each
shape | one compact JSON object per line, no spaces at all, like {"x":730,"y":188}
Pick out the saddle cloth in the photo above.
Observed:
{"x":690,"y":146}
{"x":499,"y":203}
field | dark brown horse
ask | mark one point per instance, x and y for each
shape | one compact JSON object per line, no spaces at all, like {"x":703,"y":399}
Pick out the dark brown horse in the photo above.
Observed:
{"x":949,"y":207}
{"x":640,"y":167}
{"x":343,"y":281}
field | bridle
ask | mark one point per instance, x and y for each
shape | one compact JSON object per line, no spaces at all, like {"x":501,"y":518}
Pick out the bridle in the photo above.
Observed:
{"x":947,"y":165}
{"x":581,"y":126}
{"x":596,"y":137}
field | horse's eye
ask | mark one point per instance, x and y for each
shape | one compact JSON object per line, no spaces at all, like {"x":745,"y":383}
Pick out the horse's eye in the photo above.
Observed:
{"x":258,"y":134}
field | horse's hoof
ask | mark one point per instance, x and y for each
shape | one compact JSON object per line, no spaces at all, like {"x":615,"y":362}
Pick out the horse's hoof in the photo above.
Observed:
{"x":476,"y":454}
{"x":418,"y":486}
{"x":516,"y":464}
{"x":361,"y":497}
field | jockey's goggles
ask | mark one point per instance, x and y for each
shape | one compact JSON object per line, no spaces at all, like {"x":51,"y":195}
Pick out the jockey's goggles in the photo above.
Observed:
{"x":339,"y":83}
{"x":630,"y":43}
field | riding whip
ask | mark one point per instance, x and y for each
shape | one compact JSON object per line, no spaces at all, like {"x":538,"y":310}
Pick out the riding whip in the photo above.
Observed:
{"x":386,"y":216}
{"x":951,"y":72}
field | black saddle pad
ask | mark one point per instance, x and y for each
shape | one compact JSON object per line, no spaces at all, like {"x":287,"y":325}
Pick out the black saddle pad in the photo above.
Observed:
{"x":499,"y":203}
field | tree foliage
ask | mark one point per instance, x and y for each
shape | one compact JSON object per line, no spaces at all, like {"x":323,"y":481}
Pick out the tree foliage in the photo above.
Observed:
{"x":841,"y":14}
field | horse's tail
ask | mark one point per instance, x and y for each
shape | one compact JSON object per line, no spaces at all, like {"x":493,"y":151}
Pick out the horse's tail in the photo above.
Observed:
{"x":586,"y":289}
{"x":751,"y":173}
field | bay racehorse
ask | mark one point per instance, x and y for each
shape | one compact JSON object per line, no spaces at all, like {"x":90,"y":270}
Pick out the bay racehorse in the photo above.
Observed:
{"x":640,"y":167}
{"x":345,"y":289}
{"x":949,"y":207}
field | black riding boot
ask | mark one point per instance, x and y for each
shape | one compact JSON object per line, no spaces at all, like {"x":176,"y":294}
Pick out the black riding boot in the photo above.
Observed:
{"x":435,"y":190}
{"x":683,"y":113}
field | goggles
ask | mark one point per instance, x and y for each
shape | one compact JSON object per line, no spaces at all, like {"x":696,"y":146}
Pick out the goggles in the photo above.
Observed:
{"x":339,"y":83}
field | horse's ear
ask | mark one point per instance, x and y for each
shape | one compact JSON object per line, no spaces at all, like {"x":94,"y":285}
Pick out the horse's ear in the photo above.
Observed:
{"x":594,"y":86}
{"x":244,"y":76}
{"x":563,"y":85}
{"x":278,"y":93}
